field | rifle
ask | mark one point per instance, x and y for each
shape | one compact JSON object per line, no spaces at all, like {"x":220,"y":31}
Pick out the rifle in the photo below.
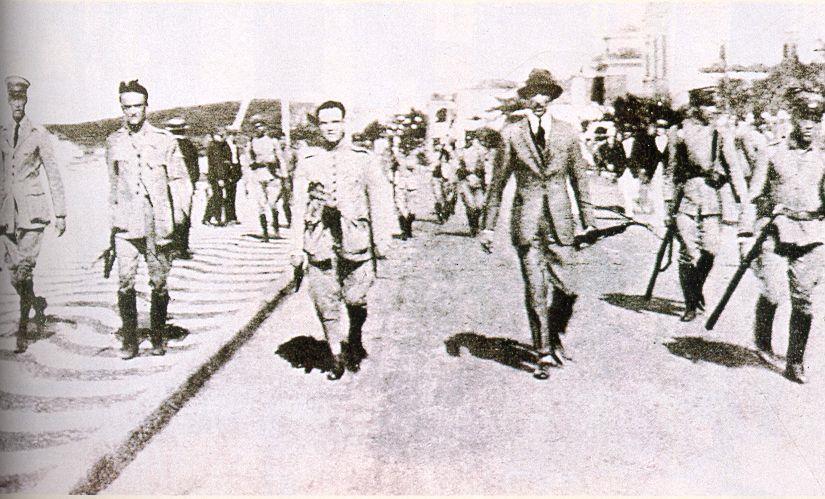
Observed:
{"x":590,"y":238}
{"x":753,"y":253}
{"x":665,"y":247}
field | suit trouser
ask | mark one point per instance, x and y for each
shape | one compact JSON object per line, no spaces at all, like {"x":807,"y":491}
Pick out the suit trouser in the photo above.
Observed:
{"x":404,"y":198}
{"x":545,"y":268}
{"x":799,"y":271}
{"x":21,"y":255}
{"x":629,"y":186}
{"x":698,"y":233}
{"x":215,"y":203}
{"x":336,"y":282}
{"x":229,"y":200}
{"x":158,"y":262}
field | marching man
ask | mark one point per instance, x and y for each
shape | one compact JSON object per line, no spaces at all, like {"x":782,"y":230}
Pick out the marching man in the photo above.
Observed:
{"x":27,"y":150}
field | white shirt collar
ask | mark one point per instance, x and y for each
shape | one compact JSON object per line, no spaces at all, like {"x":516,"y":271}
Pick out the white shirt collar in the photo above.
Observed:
{"x":546,"y":121}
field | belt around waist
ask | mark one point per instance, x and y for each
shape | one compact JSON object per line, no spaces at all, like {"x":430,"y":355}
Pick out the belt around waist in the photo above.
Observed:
{"x":803,"y":215}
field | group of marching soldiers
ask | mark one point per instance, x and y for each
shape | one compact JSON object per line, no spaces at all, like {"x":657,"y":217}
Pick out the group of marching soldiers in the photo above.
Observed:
{"x":453,"y":173}
{"x":344,"y":218}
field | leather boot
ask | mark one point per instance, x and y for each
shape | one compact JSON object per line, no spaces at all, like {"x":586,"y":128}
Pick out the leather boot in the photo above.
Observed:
{"x":410,"y":220}
{"x":402,"y":223}
{"x":276,"y":226}
{"x":689,"y":282}
{"x":800,"y":327}
{"x":703,"y":268}
{"x":561,"y":310}
{"x":763,"y":329}
{"x":157,"y":320}
{"x":355,"y":351}
{"x":264,"y":227}
{"x":127,"y":306}
{"x":26,"y":292}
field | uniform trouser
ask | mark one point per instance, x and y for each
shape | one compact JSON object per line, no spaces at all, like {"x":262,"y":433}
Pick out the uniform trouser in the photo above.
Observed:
{"x":266,"y":193}
{"x":629,"y":187}
{"x":404,"y":199}
{"x":473,"y":198}
{"x":545,"y":268}
{"x":158,"y":261}
{"x":21,"y":255}
{"x":229,"y":201}
{"x":333,"y":284}
{"x":286,"y":197}
{"x":797,"y":270}
{"x":437,"y":185}
{"x":697,"y":234}
{"x":215,"y":203}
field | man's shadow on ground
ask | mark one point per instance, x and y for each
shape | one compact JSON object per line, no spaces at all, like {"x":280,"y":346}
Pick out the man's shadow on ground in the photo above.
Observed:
{"x":638,"y":303}
{"x":696,"y":349}
{"x":307,"y":353}
{"x":454,"y":233}
{"x":505,"y":351}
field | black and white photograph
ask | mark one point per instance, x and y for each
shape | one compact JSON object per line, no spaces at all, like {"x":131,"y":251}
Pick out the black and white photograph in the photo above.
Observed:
{"x":412,"y":248}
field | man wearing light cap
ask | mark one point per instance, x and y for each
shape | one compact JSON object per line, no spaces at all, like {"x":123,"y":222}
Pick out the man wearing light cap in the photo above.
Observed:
{"x":150,"y":195}
{"x":787,"y":195}
{"x":27,"y":150}
{"x":266,"y":164}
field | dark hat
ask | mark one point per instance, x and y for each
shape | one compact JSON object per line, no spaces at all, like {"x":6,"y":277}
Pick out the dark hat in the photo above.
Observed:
{"x":17,"y":86}
{"x":600,"y":130}
{"x":540,"y":81}
{"x":133,"y":86}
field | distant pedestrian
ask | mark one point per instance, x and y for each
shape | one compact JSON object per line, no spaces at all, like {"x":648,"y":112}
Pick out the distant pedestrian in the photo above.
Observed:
{"x":219,"y":157}
{"x":178,"y":128}
{"x":233,"y":176}
{"x":264,"y":184}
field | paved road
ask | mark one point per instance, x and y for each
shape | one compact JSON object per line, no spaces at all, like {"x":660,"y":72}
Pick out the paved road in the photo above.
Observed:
{"x":70,"y":399}
{"x":441,"y":406}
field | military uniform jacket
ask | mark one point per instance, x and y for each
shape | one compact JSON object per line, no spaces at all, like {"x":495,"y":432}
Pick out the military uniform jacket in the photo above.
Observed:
{"x":24,"y":201}
{"x":541,"y":184}
{"x":794,"y":178}
{"x":357,"y":189}
{"x":693,"y":165}
{"x":150,"y":191}
{"x":472,"y":165}
{"x":265,"y":150}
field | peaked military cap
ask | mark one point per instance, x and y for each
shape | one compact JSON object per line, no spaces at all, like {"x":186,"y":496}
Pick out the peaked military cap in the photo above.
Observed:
{"x":17,"y":86}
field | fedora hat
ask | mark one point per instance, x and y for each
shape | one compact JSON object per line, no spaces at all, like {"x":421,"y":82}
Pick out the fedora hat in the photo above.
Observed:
{"x":540,"y":81}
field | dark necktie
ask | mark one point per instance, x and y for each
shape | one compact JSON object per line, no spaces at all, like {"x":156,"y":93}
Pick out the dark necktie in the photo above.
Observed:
{"x":16,"y":133}
{"x":540,"y":137}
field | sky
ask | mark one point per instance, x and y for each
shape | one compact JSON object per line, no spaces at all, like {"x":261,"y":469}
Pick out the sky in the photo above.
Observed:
{"x":385,"y":56}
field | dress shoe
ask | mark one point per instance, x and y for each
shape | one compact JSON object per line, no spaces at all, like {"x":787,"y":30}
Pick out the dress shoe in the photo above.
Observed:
{"x":689,"y":315}
{"x":561,"y":353}
{"x":22,"y":345}
{"x":796,"y":373}
{"x":129,"y":351}
{"x":337,"y":370}
{"x":541,"y":372}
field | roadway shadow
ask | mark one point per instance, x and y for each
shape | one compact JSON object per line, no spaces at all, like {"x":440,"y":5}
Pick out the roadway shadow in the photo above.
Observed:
{"x":505,"y":351}
{"x":454,"y":233}
{"x":696,"y":349}
{"x":307,"y":353}
{"x":637,"y":303}
{"x":260,"y":237}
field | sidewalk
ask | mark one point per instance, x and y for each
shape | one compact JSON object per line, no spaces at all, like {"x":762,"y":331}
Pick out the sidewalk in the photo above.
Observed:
{"x":70,"y":400}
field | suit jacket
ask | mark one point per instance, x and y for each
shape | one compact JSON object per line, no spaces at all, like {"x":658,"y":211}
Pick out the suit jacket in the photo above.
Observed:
{"x":150,"y":191}
{"x":219,"y":157}
{"x":23,"y":202}
{"x":360,"y":201}
{"x":541,"y":184}
{"x":644,"y":156}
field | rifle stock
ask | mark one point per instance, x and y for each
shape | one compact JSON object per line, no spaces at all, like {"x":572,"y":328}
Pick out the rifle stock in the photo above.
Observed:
{"x":667,"y":241}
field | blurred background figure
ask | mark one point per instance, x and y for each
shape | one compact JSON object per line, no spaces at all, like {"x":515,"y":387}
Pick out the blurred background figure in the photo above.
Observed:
{"x":178,"y":127}
{"x":219,"y":158}
{"x":234,"y":175}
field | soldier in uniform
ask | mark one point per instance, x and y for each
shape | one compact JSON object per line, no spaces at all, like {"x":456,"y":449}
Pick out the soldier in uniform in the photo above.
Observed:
{"x":789,"y":182}
{"x":178,"y":128}
{"x":263,"y":182}
{"x":150,"y":192}
{"x":405,"y":181}
{"x":544,"y":156}
{"x":471,"y":180}
{"x":702,"y":158}
{"x":343,"y":223}
{"x":27,"y":151}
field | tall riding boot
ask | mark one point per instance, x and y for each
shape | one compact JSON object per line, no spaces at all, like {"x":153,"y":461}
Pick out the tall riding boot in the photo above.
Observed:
{"x":127,"y":306}
{"x":410,"y":220}
{"x":800,"y":327}
{"x":703,"y":268}
{"x":157,"y":318}
{"x":689,"y":282}
{"x":402,"y":222}
{"x":25,"y":290}
{"x":276,"y":226}
{"x":355,"y":351}
{"x":264,"y":227}
{"x":763,"y":328}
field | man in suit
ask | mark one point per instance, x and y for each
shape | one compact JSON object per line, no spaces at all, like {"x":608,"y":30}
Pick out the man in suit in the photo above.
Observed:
{"x":543,"y":155}
{"x":344,"y":221}
{"x":27,"y":151}
{"x":150,"y":193}
{"x":233,"y":177}
{"x":219,"y":157}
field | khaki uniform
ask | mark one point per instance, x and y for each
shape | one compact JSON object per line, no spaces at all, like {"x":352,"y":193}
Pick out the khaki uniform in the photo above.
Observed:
{"x":265,"y":168}
{"x":471,"y":182}
{"x":24,"y":205}
{"x":343,"y":220}
{"x":405,"y":181}
{"x":150,"y":195}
